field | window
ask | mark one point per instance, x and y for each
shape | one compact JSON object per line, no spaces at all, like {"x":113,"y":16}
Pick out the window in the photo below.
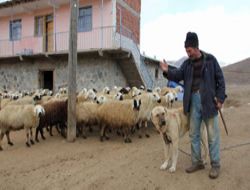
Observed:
{"x":15,"y":29}
{"x":39,"y":23}
{"x":85,"y":19}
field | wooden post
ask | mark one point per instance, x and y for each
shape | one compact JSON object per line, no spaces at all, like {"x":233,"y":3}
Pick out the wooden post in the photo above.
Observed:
{"x":72,"y":64}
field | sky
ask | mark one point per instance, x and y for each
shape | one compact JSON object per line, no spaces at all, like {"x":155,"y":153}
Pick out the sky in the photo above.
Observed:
{"x":222,"y":26}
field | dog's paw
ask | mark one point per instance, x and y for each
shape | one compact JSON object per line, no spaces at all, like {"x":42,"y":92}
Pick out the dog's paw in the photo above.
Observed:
{"x":172,"y":169}
{"x":164,"y":166}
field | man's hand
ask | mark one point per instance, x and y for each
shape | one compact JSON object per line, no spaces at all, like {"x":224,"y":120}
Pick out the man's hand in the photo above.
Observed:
{"x":164,"y":65}
{"x":218,"y":104}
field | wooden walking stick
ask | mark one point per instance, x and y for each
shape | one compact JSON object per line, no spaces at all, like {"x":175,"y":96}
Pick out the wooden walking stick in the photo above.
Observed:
{"x":222,"y":118}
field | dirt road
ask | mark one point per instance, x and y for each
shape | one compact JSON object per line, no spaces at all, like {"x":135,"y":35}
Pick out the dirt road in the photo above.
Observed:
{"x":90,"y":164}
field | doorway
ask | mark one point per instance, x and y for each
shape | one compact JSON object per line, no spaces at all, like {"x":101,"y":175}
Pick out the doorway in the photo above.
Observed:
{"x":46,"y":80}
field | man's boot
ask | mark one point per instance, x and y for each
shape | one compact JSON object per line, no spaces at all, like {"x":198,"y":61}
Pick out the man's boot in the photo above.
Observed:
{"x":214,"y":172}
{"x":195,"y":168}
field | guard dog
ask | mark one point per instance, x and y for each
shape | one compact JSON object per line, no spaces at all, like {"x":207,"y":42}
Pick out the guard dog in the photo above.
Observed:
{"x":172,"y":125}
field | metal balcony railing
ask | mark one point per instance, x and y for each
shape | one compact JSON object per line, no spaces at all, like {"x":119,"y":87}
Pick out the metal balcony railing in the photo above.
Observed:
{"x":97,"y":38}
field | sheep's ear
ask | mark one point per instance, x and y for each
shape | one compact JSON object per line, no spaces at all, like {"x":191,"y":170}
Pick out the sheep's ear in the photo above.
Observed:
{"x":121,"y":97}
{"x":94,"y":90}
{"x":137,"y":104}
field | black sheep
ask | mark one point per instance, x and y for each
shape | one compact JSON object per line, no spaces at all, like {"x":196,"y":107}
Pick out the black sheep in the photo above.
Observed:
{"x":55,"y":114}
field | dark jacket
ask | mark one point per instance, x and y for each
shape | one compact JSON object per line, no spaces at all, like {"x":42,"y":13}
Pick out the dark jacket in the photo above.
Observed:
{"x":212,"y":84}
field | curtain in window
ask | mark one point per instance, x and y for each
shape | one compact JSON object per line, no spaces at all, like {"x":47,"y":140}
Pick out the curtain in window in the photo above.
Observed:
{"x":15,"y":30}
{"x":85,"y":19}
{"x":39,"y":25}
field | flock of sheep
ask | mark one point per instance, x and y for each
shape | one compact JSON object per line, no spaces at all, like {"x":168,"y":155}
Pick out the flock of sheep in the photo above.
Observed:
{"x":118,"y":109}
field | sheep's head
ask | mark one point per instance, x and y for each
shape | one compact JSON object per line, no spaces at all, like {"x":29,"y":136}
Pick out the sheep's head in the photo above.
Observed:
{"x":155,"y":97}
{"x":124,"y":90}
{"x":137,"y":104}
{"x":90,"y":95}
{"x":83,"y":91}
{"x":37,"y":97}
{"x":106,"y":90}
{"x":46,"y":92}
{"x":50,"y":93}
{"x":170,"y":97}
{"x":14,"y":96}
{"x":39,"y":111}
{"x":6,"y":95}
{"x":118,"y":96}
{"x":179,"y":89}
{"x":101,"y":99}
{"x":63,"y":91}
{"x":142,"y":87}
{"x":135,"y":92}
{"x":158,"y":90}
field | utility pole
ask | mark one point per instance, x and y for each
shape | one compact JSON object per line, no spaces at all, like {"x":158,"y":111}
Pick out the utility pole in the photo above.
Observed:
{"x":120,"y":15}
{"x":72,"y":64}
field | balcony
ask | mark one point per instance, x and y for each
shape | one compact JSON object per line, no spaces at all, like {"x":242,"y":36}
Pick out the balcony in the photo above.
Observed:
{"x":104,"y":38}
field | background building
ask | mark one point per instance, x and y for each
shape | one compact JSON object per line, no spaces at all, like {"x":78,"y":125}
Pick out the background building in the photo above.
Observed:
{"x":34,"y":44}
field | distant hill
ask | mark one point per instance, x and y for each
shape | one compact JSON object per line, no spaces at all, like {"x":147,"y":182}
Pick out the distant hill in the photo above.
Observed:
{"x":238,"y":73}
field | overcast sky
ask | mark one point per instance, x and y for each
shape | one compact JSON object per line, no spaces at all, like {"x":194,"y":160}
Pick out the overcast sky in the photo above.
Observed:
{"x":222,"y":27}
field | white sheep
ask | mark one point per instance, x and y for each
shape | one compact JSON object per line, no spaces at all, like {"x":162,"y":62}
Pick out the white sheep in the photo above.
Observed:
{"x":27,"y":100}
{"x":106,"y":90}
{"x":89,"y":95}
{"x":130,"y":93}
{"x":119,"y":114}
{"x":108,"y":97}
{"x":148,"y":102}
{"x":15,"y":117}
{"x":4,"y":102}
{"x":86,"y":115}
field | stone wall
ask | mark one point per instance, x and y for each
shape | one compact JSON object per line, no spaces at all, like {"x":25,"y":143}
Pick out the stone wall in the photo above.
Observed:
{"x":18,"y":76}
{"x":160,"y":81}
{"x":91,"y":73}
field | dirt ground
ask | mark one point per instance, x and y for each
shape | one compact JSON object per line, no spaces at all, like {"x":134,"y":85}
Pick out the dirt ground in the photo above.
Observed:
{"x":91,"y":164}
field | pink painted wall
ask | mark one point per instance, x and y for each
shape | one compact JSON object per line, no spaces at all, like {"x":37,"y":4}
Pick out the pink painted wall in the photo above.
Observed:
{"x":86,"y":40}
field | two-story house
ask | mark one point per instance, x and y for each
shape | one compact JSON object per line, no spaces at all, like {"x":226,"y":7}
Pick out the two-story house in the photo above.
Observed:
{"x":34,"y":47}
